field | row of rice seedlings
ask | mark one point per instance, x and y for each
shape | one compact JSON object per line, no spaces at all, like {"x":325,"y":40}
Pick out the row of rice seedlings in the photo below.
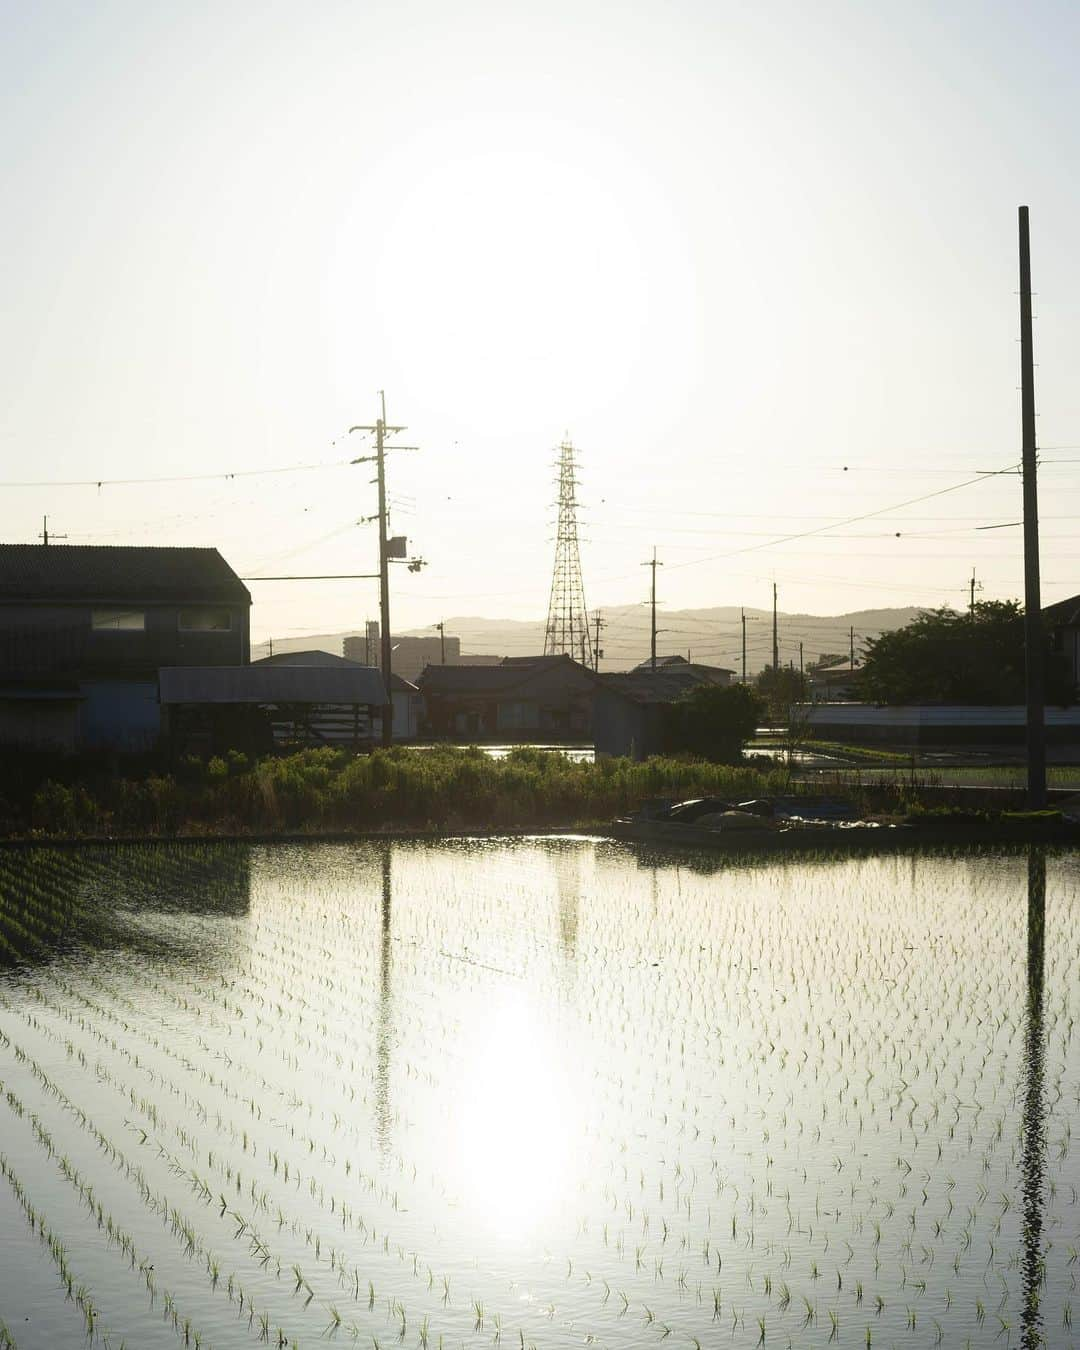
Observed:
{"x":187,"y":1236}
{"x":259,"y":1246}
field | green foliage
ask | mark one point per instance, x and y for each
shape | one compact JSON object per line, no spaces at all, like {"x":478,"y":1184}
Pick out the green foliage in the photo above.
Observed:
{"x":779,"y":689}
{"x":444,"y":787}
{"x":714,"y":721}
{"x":946,"y":657}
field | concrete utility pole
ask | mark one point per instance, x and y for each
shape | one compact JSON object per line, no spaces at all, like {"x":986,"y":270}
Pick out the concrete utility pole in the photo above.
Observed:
{"x":381,"y":431}
{"x":1033,"y":628}
{"x":442,"y":642}
{"x":596,"y":645}
{"x":971,"y":602}
{"x":44,"y":535}
{"x":775,"y":633}
{"x":742,"y":620}
{"x":800,"y":666}
{"x":851,"y":640}
{"x":654,"y":565}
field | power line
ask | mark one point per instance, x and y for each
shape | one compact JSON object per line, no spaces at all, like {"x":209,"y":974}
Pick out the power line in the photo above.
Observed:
{"x":175,"y":478}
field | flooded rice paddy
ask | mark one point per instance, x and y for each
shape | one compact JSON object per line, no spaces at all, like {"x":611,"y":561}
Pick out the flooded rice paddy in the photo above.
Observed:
{"x":540,"y":1093}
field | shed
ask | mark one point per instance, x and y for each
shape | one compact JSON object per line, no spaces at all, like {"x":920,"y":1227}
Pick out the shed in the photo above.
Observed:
{"x":408,"y":704}
{"x":212,"y":708}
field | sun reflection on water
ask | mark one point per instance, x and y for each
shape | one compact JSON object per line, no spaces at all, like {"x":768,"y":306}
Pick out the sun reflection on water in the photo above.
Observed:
{"x":513,"y":1120}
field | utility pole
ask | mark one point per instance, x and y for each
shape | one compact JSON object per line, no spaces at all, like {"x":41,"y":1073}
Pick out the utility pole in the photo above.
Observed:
{"x":742,"y":620}
{"x":971,"y":602}
{"x":596,"y":645}
{"x":775,"y":636}
{"x":44,"y":535}
{"x":1033,"y":629}
{"x":654,"y":565}
{"x":851,"y":640}
{"x":381,"y":431}
{"x":442,"y":642}
{"x":800,"y":669}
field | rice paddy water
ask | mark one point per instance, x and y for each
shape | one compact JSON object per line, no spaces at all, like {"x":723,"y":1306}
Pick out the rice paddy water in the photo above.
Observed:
{"x":548,"y":1092}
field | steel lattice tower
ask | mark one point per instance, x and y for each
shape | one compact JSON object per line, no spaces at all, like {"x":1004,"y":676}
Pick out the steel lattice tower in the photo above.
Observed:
{"x":567,"y":622}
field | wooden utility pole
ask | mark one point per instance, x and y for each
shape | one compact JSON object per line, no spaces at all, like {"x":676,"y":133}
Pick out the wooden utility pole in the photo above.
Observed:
{"x":775,"y":633}
{"x":1033,"y":629}
{"x":654,"y":565}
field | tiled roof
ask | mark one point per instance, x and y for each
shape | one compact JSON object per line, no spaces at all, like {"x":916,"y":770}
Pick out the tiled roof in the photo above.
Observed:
{"x":664,"y":685}
{"x":89,"y":572}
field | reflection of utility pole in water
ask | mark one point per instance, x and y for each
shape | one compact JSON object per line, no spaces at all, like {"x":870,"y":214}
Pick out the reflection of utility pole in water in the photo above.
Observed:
{"x":1033,"y":1150}
{"x":383,"y":1029}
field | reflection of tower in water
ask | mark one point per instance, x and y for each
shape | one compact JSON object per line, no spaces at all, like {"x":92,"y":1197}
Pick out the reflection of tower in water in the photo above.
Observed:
{"x":384,"y":1024}
{"x":566,"y":862}
{"x":1033,"y":1126}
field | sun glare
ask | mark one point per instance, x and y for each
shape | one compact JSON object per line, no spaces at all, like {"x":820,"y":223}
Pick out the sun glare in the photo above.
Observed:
{"x":513,"y":1122}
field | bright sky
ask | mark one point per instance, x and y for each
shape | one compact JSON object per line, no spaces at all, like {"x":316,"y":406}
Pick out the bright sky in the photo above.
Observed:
{"x":729,"y":248}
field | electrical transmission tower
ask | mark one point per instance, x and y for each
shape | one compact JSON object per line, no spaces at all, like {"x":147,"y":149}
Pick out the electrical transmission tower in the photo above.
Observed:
{"x":567,"y":622}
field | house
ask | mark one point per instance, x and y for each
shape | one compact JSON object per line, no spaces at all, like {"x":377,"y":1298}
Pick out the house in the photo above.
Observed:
{"x":834,"y":684}
{"x":408,"y":704}
{"x":84,"y":630}
{"x":1062,"y":622}
{"x":521,"y":698}
{"x":210,"y":709}
{"x":630,"y":708}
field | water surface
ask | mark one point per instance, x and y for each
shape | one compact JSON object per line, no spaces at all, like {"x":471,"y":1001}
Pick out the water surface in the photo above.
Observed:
{"x":537,"y":1093}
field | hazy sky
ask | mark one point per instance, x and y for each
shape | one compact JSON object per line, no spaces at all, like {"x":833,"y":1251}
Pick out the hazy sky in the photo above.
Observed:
{"x":730,"y":248}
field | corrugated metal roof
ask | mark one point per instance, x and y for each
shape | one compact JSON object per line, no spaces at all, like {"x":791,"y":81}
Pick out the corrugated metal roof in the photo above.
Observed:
{"x":317,"y":657}
{"x":89,"y":572}
{"x":261,"y":683}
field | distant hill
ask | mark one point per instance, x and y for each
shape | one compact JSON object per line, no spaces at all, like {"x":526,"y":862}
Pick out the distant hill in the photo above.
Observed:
{"x":712,"y":636}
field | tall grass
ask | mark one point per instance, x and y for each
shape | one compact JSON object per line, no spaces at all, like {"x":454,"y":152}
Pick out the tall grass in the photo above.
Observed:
{"x":443,"y":787}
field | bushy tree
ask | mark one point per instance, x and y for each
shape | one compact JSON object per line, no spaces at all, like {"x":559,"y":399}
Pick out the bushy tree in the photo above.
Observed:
{"x":714,"y":721}
{"x":779,"y":688}
{"x":946,"y":657}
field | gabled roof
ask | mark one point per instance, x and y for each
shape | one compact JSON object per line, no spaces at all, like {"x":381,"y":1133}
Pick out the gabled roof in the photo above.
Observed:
{"x":108,"y":574}
{"x":262,"y":683}
{"x":707,"y":674}
{"x":511,"y":672}
{"x":664,"y":685}
{"x":317,"y":658}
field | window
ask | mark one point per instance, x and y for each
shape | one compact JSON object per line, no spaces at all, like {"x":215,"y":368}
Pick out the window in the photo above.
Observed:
{"x":205,"y":621}
{"x":117,"y":620}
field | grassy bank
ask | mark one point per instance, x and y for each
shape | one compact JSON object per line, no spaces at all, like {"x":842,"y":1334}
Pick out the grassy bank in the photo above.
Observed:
{"x":324,"y":791}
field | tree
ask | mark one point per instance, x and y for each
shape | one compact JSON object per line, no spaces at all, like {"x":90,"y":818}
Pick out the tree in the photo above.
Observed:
{"x":780,"y":688}
{"x":714,"y":721}
{"x":946,"y":657}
